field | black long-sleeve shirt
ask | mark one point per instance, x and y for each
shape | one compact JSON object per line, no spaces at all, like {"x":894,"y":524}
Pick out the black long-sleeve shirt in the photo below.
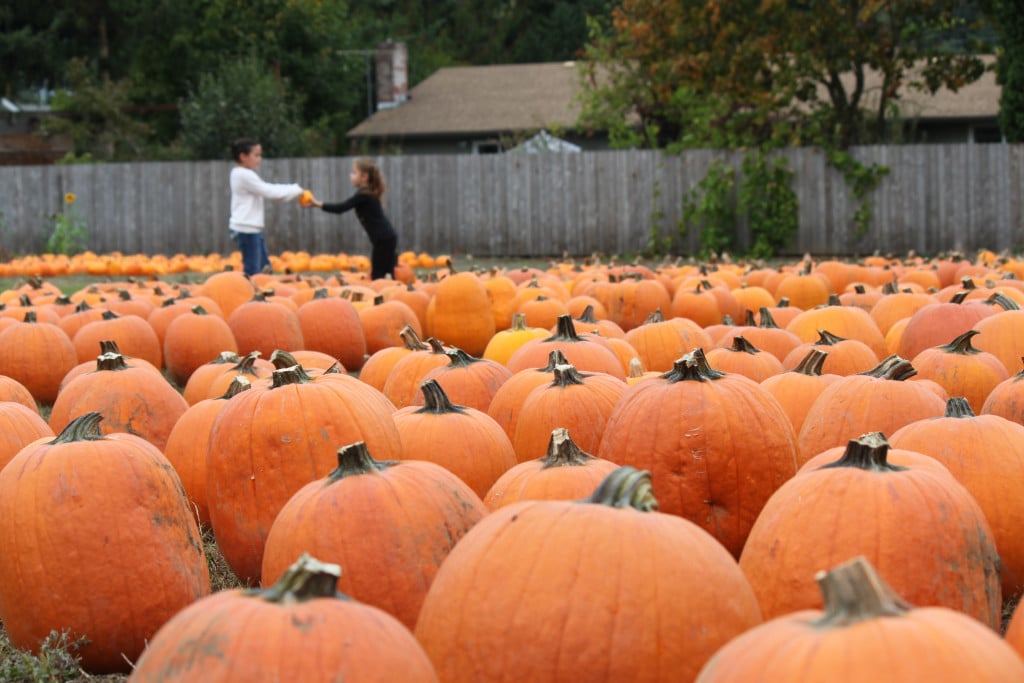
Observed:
{"x":370,"y":213}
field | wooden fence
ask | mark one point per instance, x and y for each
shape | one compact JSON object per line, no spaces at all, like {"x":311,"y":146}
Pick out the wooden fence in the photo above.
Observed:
{"x":936,"y":197}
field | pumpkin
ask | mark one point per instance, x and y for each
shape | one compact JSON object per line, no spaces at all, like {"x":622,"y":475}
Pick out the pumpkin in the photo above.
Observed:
{"x":985,"y":453}
{"x":961,"y":369}
{"x":579,"y":402}
{"x":659,"y":342}
{"x":508,"y":400}
{"x":564,"y":472}
{"x":543,"y":569}
{"x":845,"y":356}
{"x":820,"y":517}
{"x":37,"y":356}
{"x":262,"y":324}
{"x":318,"y":635}
{"x":403,"y":382}
{"x":192,"y":339}
{"x":460,"y":314}
{"x":743,"y":358}
{"x":389,"y":523}
{"x":1007,"y":399}
{"x":763,"y":333}
{"x":331,"y":325}
{"x":865,"y":632}
{"x":383,"y":322}
{"x":463,"y":440}
{"x":230,"y":289}
{"x":849,"y":322}
{"x":935,"y":324}
{"x":133,"y":335}
{"x":797,"y":389}
{"x":266,"y":444}
{"x":19,"y":426}
{"x":745,"y":443}
{"x":880,"y":399}
{"x":132,"y":399}
{"x":378,"y":366}
{"x":110,"y":553}
{"x":468,"y":381}
{"x":588,"y":352}
{"x":504,"y":343}
{"x":188,"y":442}
{"x":14,"y":391}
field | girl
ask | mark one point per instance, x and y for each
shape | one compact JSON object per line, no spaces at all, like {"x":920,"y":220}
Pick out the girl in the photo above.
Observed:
{"x":248,"y":191}
{"x":370,"y":187}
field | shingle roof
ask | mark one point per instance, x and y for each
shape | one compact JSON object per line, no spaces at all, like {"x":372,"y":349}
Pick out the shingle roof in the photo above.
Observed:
{"x":517,"y":97}
{"x":474,"y":99}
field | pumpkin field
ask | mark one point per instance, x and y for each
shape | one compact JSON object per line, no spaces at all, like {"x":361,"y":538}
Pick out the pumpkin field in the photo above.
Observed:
{"x":565,"y":470}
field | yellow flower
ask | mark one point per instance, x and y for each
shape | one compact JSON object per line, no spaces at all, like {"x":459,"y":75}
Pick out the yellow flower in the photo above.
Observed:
{"x":69,"y":198}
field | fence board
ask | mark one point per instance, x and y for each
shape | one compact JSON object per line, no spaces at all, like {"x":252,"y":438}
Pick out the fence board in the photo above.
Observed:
{"x":936,"y":197}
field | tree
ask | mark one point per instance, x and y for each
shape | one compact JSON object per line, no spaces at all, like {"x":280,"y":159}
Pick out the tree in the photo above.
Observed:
{"x":779,"y":71}
{"x":243,"y":99}
{"x":1009,"y":23}
{"x":92,"y":113}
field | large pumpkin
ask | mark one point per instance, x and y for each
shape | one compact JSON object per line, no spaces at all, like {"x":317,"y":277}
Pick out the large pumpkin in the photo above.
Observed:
{"x":717,"y":445}
{"x":300,"y":629}
{"x":527,"y":594}
{"x":460,"y":314}
{"x":97,"y":539}
{"x":389,"y":523}
{"x":866,"y":632}
{"x":916,"y":523}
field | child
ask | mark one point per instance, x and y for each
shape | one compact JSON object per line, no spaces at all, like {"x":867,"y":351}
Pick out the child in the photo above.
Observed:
{"x":248,"y":191}
{"x":370,"y":187}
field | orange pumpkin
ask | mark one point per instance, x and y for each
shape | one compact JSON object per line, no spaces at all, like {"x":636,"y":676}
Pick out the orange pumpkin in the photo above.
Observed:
{"x":211,"y":640}
{"x":359,"y":517}
{"x":37,"y":356}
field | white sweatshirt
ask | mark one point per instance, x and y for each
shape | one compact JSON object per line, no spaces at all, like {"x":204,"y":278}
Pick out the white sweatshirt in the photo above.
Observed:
{"x":248,"y":191}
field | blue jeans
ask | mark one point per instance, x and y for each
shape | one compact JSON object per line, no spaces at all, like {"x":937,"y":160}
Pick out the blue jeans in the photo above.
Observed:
{"x":254,"y":251}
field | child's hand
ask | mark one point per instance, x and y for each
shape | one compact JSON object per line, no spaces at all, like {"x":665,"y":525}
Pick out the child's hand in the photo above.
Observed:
{"x":306,"y":199}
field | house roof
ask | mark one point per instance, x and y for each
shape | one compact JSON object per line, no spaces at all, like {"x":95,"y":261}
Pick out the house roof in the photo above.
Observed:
{"x":515,"y":97}
{"x":481,"y":99}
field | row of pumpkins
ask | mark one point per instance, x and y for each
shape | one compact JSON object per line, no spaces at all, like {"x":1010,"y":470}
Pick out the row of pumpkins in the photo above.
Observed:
{"x":589,"y":472}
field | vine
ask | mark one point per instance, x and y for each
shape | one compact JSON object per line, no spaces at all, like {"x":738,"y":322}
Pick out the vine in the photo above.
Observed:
{"x":656,"y":242}
{"x":711,"y":205}
{"x":768,"y":200}
{"x":862,"y":181}
{"x":70,"y":234}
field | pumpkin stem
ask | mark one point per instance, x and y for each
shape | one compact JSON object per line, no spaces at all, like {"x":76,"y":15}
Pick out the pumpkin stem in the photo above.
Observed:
{"x":83,"y":305}
{"x":748,"y":319}
{"x":247,"y":366}
{"x":355,"y":459}
{"x":290,"y":375}
{"x":518,"y":322}
{"x":625,"y":487}
{"x":826,"y":338}
{"x":588,"y":315}
{"x":959,"y":407}
{"x":692,"y":366}
{"x":412,"y":340}
{"x":556,"y":358}
{"x":741,"y":344}
{"x":783,"y":302}
{"x":636,"y":368}
{"x":854,"y":592}
{"x":108,"y":346}
{"x":566,"y":375}
{"x":767,"y":320}
{"x":226,"y":357}
{"x":110,"y":361}
{"x":656,"y":317}
{"x":85,"y":427}
{"x":1000,"y":299}
{"x":110,"y":315}
{"x":959,"y":297}
{"x":565,"y":330}
{"x":890,"y":287}
{"x":834,"y":300}
{"x":282,"y":359}
{"x":238,"y":384}
{"x":199,"y":310}
{"x":563,"y":451}
{"x":321,"y":293}
{"x":892,"y":367}
{"x":812,"y":363}
{"x":962,"y":344}
{"x":307,"y":579}
{"x":30,"y":317}
{"x":457,"y":358}
{"x":860,"y":289}
{"x":869,"y":452}
{"x":436,"y":401}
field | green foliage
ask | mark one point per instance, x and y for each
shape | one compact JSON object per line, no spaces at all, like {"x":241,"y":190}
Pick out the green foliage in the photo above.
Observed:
{"x":770,"y":203}
{"x":57,"y":660}
{"x":711,"y":206}
{"x":241,"y":99}
{"x":862,"y":181}
{"x":92,"y":112}
{"x":1009,"y":22}
{"x":69,"y":234}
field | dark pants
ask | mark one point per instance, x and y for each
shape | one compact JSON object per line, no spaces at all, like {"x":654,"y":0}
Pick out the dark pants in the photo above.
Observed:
{"x":254,"y":251}
{"x":383,"y":258}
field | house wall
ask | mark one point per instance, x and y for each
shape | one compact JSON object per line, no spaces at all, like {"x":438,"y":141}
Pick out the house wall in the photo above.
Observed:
{"x":936,"y":197}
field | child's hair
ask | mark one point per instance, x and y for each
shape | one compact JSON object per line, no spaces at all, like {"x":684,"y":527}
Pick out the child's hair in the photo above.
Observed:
{"x":375,"y":183}
{"x":242,"y":146}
